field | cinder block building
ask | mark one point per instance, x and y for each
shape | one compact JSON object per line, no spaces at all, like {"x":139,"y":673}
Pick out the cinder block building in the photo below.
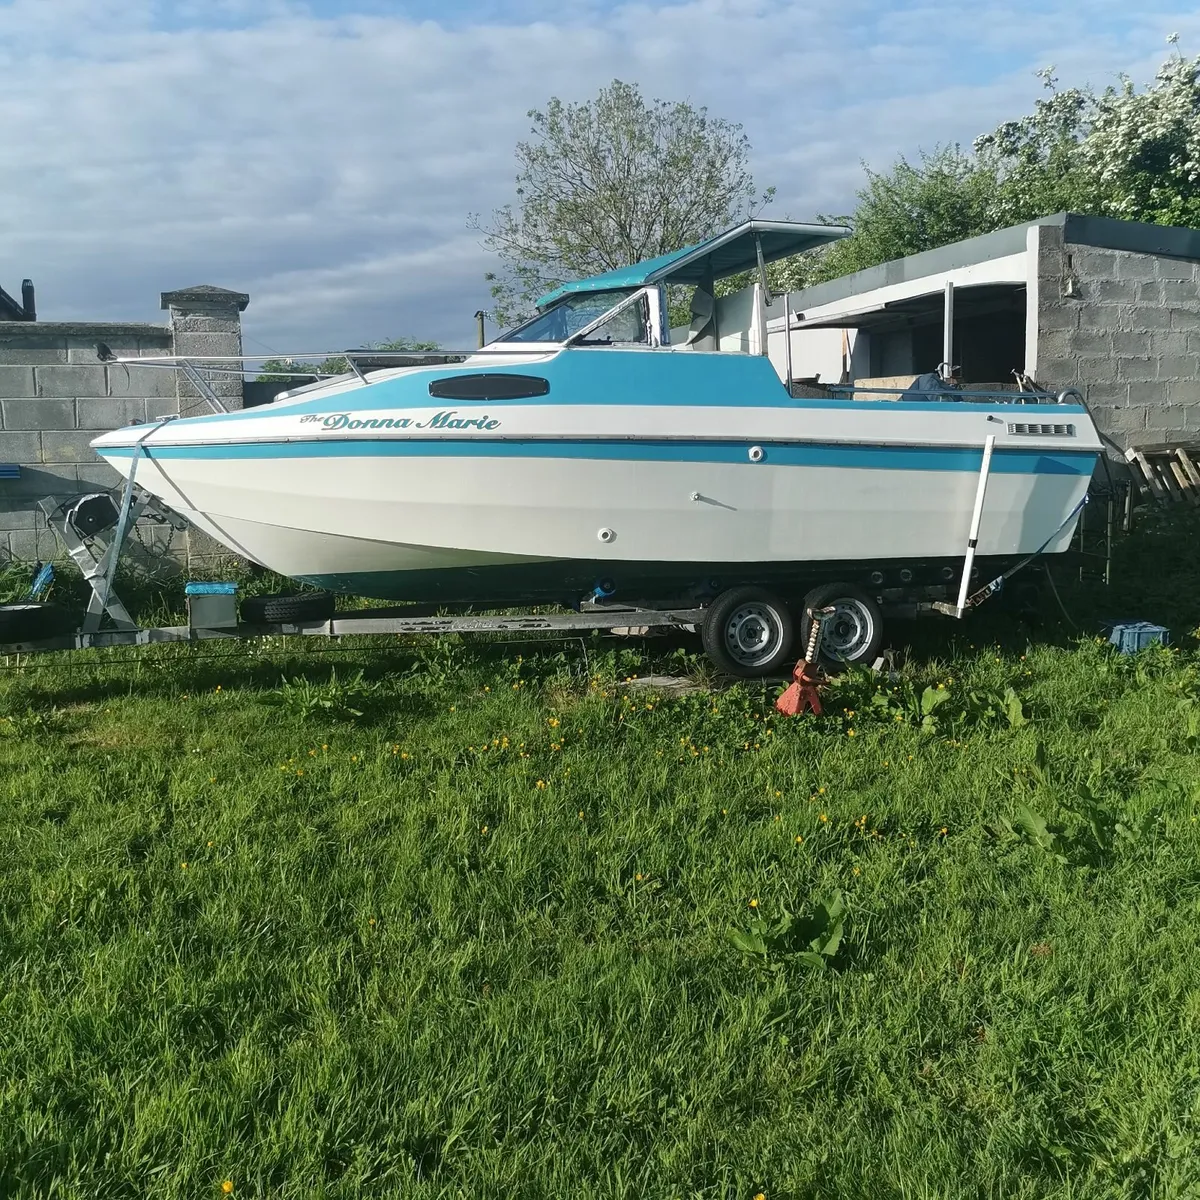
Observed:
{"x":56,"y":395}
{"x":1109,"y":307}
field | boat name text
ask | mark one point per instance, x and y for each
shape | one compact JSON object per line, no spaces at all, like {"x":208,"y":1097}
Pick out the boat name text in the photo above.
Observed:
{"x":447,"y":419}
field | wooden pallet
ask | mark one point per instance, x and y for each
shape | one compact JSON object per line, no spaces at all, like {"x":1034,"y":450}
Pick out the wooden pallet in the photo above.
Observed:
{"x":1168,"y":474}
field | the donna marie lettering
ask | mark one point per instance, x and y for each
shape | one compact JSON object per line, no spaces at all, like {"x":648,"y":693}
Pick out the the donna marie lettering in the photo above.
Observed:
{"x":443,"y":420}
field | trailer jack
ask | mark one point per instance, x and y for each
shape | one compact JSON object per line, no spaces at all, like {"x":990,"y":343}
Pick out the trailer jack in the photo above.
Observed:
{"x":803,"y":693}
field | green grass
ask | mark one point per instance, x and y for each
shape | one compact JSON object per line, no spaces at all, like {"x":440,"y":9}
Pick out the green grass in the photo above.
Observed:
{"x":329,"y":936}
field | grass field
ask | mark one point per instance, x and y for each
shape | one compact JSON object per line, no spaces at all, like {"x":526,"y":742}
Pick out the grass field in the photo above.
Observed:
{"x":484,"y":920}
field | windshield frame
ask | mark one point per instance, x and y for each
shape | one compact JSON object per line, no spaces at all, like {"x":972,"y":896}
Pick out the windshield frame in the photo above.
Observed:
{"x":625,"y":298}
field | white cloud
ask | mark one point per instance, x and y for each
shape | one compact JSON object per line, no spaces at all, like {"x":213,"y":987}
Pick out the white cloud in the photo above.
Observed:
{"x":327,"y":166}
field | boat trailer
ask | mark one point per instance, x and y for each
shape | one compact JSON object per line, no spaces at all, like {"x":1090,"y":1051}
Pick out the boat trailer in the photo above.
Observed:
{"x":736,"y":624}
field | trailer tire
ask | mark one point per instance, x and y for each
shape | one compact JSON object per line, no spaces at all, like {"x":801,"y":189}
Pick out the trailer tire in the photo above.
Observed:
{"x":34,"y":623}
{"x":748,"y":632}
{"x":288,"y":608}
{"x":853,"y":634}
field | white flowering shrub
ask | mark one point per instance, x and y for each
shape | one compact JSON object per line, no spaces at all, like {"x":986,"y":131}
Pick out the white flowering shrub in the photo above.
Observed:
{"x":1123,"y":153}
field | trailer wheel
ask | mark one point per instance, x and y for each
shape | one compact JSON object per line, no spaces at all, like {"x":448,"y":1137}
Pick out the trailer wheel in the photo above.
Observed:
{"x":748,"y":632}
{"x":853,"y":633}
{"x":34,"y":623}
{"x":288,"y":608}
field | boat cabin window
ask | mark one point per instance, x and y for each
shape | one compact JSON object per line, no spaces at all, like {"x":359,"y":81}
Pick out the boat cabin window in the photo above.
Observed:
{"x":578,"y":310}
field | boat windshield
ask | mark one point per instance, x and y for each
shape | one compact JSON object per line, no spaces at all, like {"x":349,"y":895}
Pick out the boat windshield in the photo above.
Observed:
{"x":578,"y":310}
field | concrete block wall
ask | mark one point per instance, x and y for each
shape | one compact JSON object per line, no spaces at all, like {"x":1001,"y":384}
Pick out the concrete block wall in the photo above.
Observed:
{"x":56,"y":396}
{"x":1124,"y":328}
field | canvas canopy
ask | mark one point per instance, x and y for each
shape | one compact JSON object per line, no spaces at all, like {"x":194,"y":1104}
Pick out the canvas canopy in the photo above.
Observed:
{"x":724,"y":254}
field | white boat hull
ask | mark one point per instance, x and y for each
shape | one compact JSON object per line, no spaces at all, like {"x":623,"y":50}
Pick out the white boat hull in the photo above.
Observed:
{"x":376,"y":517}
{"x":382,"y":491}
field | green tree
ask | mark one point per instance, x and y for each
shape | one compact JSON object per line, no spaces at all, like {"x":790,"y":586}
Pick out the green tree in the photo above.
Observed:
{"x":1125,"y":153}
{"x":941,"y":198}
{"x":611,"y":182}
{"x":300,"y":371}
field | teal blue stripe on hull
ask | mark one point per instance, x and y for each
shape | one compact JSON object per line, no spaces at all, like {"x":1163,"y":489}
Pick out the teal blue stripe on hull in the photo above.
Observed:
{"x":896,"y":458}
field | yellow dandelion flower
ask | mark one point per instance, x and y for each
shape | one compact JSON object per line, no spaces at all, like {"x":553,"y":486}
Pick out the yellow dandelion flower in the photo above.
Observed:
{"x":849,"y":732}
{"x":484,"y":831}
{"x":581,"y":814}
{"x":823,"y":817}
{"x":227,"y":1187}
{"x":541,"y":783}
{"x":820,"y":791}
{"x":753,"y":903}
{"x":183,"y":866}
{"x":799,"y":840}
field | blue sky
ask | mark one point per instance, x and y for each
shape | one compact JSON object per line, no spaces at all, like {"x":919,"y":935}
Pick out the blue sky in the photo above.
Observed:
{"x":324,"y":155}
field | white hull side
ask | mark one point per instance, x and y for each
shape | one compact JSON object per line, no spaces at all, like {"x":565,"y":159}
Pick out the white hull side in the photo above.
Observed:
{"x":413,"y":512}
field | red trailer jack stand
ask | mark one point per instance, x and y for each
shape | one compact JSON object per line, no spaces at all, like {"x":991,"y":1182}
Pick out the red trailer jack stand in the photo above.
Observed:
{"x":802,"y":694}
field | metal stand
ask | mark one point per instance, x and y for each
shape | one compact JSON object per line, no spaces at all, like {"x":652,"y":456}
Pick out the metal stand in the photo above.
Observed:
{"x":1097,"y":531}
{"x":803,"y":694}
{"x":97,"y":555}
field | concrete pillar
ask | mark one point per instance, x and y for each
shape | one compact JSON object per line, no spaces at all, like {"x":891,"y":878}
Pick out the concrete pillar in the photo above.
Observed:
{"x":206,"y":321}
{"x":1033,"y":242}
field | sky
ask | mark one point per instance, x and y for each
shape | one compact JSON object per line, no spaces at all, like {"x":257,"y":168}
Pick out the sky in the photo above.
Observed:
{"x":325,"y":155}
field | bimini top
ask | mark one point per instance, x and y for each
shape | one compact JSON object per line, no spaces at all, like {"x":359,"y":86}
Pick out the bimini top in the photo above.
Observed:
{"x":727,"y":253}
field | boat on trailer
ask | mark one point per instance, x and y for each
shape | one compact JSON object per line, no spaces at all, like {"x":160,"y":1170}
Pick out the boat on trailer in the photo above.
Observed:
{"x":593,"y":455}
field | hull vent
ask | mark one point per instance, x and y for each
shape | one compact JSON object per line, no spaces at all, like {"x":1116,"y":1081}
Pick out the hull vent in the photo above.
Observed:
{"x":1043,"y":430}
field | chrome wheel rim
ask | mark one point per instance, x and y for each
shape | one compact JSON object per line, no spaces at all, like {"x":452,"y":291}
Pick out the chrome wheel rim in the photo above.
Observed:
{"x":753,"y":634}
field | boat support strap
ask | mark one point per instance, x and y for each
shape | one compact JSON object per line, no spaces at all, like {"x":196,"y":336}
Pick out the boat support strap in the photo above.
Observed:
{"x":990,"y":589}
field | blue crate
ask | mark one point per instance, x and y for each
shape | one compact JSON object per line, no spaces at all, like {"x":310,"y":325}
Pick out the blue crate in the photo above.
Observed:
{"x":1131,"y":636}
{"x":212,"y":605}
